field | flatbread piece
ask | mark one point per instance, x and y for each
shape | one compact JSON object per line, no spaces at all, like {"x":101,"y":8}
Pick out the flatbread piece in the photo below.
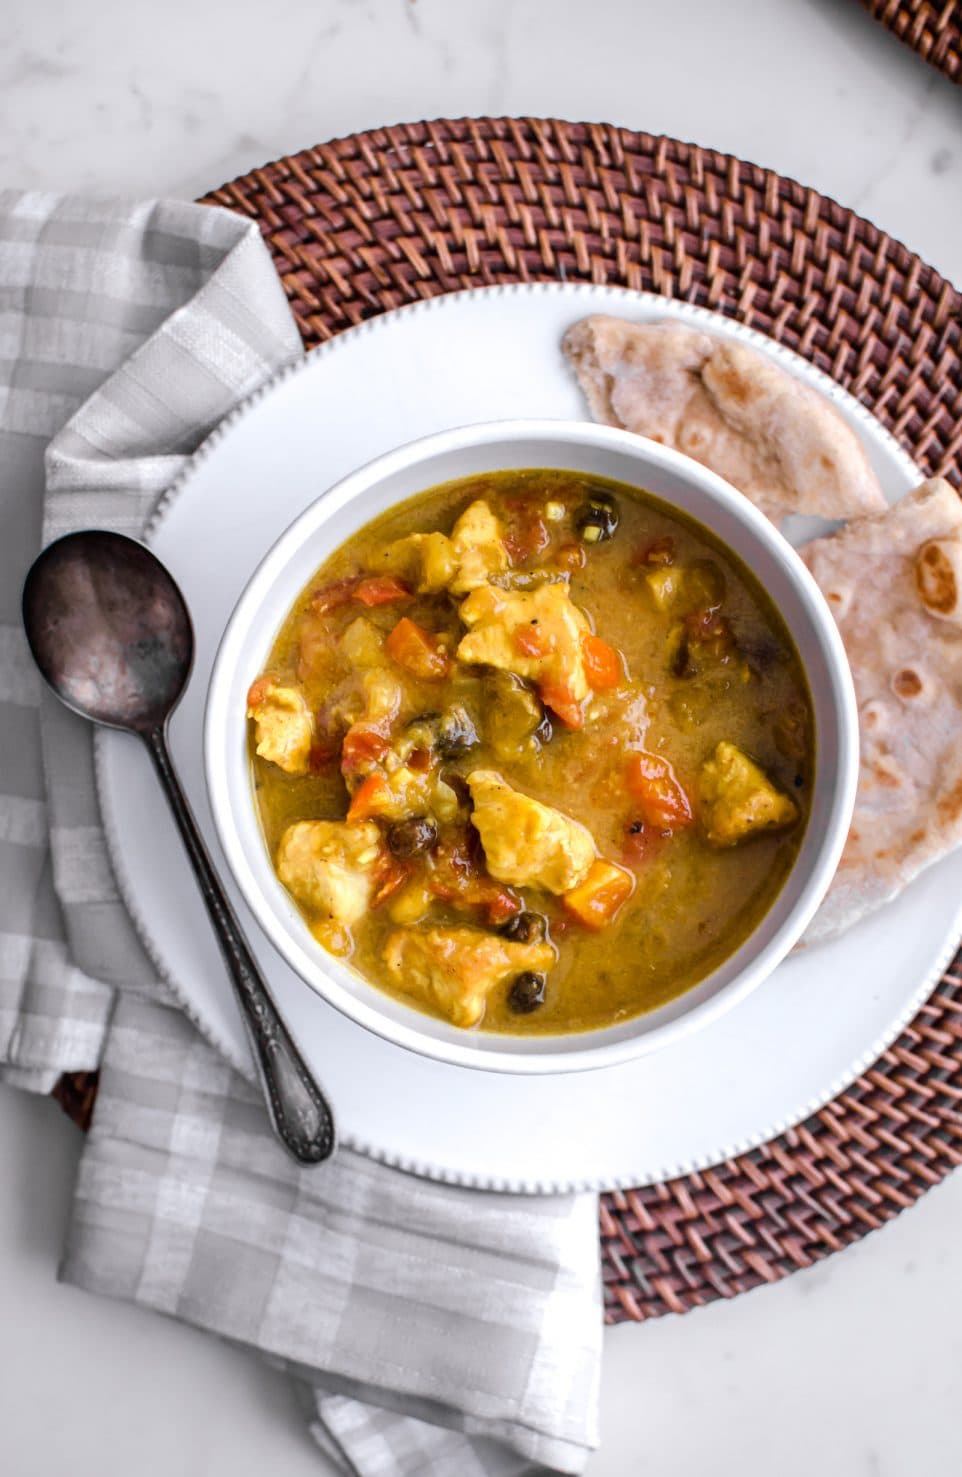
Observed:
{"x":894,"y":585}
{"x":734,"y":410}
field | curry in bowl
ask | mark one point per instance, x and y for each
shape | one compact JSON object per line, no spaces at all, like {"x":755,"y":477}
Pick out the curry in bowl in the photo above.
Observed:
{"x":534,"y":751}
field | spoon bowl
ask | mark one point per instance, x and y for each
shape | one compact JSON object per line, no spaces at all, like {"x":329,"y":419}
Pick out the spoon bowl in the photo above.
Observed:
{"x":109,"y":630}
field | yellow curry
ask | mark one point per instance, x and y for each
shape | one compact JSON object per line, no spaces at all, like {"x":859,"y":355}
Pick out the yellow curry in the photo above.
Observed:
{"x":534,"y":751}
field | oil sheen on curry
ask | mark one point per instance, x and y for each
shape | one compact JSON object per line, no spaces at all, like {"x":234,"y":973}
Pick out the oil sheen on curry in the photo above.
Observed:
{"x":533,"y":751}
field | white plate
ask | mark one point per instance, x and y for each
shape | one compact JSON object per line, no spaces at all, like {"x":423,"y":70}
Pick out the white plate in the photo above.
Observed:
{"x":821,"y":1019}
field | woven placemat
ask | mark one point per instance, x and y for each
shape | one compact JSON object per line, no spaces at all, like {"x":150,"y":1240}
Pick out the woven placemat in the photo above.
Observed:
{"x":933,"y":28}
{"x":384,"y":218}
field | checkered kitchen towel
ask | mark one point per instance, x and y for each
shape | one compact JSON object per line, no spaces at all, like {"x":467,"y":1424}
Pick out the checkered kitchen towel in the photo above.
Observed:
{"x":432,"y":1330}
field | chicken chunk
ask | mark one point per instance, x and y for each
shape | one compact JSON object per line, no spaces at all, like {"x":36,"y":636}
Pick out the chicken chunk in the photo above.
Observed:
{"x":738,"y":799}
{"x":327,"y":866}
{"x":432,"y":562}
{"x":478,"y":544}
{"x":455,"y":969}
{"x":428,"y":561}
{"x":535,"y":634}
{"x":283,"y":726}
{"x":525,"y":842}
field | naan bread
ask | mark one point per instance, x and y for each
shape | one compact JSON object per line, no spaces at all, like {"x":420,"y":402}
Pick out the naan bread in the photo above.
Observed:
{"x":894,"y":584}
{"x":774,"y":438}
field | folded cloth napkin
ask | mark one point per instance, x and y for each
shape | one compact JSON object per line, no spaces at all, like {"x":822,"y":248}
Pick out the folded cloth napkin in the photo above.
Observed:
{"x":432,"y":1330}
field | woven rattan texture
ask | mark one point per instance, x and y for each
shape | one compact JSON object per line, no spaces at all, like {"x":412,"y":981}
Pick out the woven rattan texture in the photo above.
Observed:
{"x":931,"y":28}
{"x":381,"y":219}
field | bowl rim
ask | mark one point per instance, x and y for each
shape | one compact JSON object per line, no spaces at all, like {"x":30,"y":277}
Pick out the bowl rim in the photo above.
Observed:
{"x":595,"y":1053}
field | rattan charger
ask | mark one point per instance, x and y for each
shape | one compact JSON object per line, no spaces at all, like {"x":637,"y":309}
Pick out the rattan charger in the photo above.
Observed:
{"x":932,"y":28}
{"x":380,"y":219}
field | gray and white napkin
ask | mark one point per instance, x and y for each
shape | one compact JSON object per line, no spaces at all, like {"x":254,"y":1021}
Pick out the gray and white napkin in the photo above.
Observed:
{"x":432,"y":1330}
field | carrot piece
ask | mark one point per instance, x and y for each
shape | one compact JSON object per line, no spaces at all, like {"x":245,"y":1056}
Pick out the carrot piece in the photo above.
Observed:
{"x":417,"y":650}
{"x":560,"y":699}
{"x":368,"y":798}
{"x":660,"y":798}
{"x":596,"y":901}
{"x":602,"y":662}
{"x":381,"y":589}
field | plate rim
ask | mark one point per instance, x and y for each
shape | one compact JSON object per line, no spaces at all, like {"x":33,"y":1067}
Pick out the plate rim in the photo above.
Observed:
{"x":714,"y":322}
{"x":768,"y":346}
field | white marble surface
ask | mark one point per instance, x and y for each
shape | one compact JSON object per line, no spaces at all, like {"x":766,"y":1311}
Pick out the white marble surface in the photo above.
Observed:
{"x":854,"y":1367}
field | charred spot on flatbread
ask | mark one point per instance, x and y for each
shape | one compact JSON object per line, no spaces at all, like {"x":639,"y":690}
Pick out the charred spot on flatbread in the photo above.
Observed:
{"x":938,"y":575}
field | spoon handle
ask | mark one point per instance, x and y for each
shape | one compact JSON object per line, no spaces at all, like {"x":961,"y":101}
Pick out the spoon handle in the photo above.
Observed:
{"x":300,"y":1114}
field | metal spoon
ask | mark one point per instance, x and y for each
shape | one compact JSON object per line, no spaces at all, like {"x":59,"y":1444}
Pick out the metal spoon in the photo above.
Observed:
{"x":112,"y":636}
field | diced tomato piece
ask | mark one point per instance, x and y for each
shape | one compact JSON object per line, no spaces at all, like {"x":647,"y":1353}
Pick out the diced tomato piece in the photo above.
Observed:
{"x":596,"y":901}
{"x":602,"y":663}
{"x":501,"y":906}
{"x":458,"y":877}
{"x":362,"y":746}
{"x":570,"y":557}
{"x":419,"y":760}
{"x":640,"y":840}
{"x":536,"y":535}
{"x":315,"y":645}
{"x":660,"y":799}
{"x":368,"y":798}
{"x":527,"y":532}
{"x":530,"y":641}
{"x":417,"y":650}
{"x":259,"y":689}
{"x":661,"y":552}
{"x":333,"y":596}
{"x":321,"y":756}
{"x":389,"y":875}
{"x":710,"y":630}
{"x":381,"y":589}
{"x":560,"y":699}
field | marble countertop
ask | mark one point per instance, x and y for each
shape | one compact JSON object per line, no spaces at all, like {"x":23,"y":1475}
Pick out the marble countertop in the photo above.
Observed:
{"x":853,"y":1367}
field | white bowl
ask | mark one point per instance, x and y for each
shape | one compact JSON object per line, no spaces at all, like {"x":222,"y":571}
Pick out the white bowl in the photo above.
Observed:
{"x":573,"y":446}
